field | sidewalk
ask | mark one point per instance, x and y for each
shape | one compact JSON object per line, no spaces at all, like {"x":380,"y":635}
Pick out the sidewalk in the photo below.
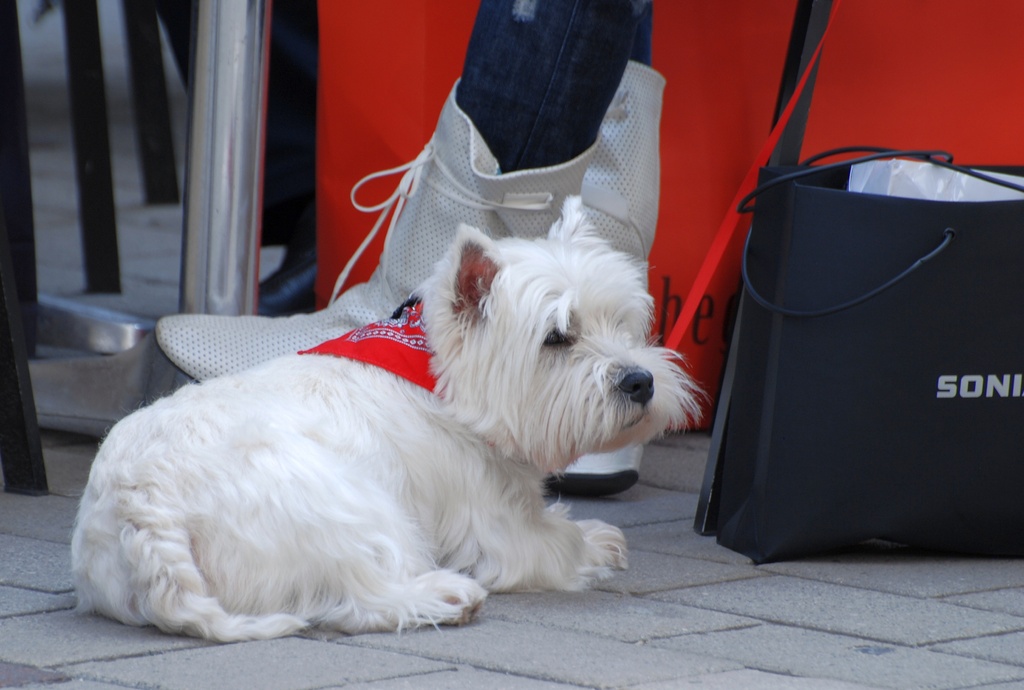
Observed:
{"x":687,"y":614}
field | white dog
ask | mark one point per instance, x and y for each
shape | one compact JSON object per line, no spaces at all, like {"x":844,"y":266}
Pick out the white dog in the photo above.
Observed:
{"x":318,"y":490}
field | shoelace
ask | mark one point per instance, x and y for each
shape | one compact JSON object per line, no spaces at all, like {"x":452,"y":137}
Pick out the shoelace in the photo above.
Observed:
{"x":412,"y":176}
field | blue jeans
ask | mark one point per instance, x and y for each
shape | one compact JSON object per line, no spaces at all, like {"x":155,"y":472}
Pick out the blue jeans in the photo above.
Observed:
{"x":539,"y":75}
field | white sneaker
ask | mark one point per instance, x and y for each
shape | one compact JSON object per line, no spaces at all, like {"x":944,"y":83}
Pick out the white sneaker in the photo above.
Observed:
{"x":599,"y":474}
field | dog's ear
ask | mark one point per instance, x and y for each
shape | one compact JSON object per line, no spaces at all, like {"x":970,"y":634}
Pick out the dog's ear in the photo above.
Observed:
{"x":475,"y":270}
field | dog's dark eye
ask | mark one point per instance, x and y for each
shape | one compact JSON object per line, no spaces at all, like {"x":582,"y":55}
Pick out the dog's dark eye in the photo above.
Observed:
{"x":556,"y":338}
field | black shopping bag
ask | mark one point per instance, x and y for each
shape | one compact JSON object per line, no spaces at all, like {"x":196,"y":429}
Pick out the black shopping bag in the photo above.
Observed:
{"x":878,"y":389}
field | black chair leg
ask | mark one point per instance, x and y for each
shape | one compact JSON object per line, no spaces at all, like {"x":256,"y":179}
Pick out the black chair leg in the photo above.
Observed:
{"x":149,"y":97}
{"x":21,"y":452}
{"x":21,"y":455}
{"x":89,"y":128}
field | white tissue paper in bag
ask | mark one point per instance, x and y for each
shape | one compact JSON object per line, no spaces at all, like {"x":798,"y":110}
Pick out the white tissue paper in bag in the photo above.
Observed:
{"x":922,"y":180}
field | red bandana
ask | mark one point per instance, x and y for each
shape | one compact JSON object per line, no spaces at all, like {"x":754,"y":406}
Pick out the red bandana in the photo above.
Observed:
{"x":398,"y":345}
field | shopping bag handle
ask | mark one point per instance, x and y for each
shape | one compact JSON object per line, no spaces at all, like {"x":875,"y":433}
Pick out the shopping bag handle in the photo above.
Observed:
{"x":948,"y":235}
{"x":942,"y":159}
{"x":882,"y":150}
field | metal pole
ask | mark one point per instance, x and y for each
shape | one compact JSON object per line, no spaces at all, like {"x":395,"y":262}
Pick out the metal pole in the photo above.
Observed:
{"x":224,"y":170}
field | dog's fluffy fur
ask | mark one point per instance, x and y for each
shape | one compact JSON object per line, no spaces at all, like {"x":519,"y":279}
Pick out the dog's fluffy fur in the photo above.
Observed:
{"x":314,"y":490}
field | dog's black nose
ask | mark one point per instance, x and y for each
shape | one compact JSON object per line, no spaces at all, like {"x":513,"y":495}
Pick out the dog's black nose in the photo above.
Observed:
{"x":638,"y":384}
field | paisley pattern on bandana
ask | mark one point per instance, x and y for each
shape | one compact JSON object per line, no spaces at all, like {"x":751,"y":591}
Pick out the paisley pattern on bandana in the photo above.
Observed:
{"x":398,"y":345}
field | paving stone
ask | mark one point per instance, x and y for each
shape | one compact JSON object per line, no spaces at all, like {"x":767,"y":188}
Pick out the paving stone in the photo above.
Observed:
{"x":19,"y":675}
{"x":752,"y":680}
{"x":67,"y":469}
{"x":544,"y":653}
{"x":815,"y":654}
{"x":15,"y":601}
{"x":907,"y":571}
{"x":463,"y":678}
{"x":619,"y":617}
{"x":1003,"y":600}
{"x":284,"y":664}
{"x":678,"y":538}
{"x":64,"y":637}
{"x":39,"y":517}
{"x":1005,"y":648}
{"x":79,"y":685}
{"x":639,"y":505}
{"x":654,"y":572}
{"x":36,"y":564}
{"x":835,"y":608}
{"x":676,"y":462}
